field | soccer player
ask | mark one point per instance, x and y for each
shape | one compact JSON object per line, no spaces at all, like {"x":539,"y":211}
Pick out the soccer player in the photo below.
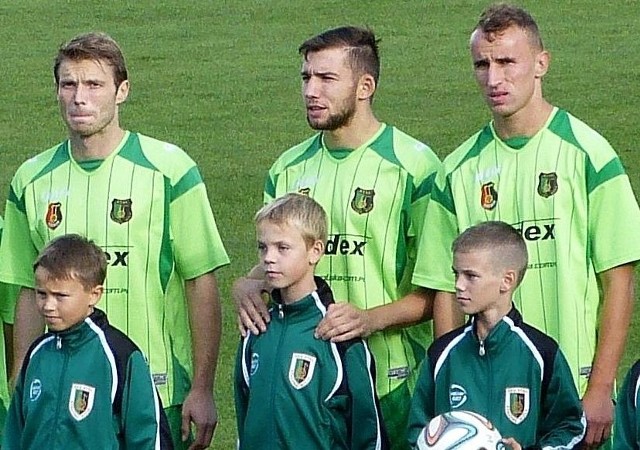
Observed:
{"x":374,"y":181}
{"x":143,"y":201}
{"x":557,"y":181}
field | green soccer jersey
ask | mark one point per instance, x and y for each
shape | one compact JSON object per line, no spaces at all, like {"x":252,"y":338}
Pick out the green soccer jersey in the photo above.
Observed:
{"x":143,"y":205}
{"x":375,"y":197}
{"x":566,"y":191}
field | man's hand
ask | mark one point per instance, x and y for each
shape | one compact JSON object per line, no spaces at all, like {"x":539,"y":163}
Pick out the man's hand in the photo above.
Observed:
{"x":512,"y":443}
{"x":598,"y":409}
{"x":343,"y":322}
{"x":199,"y":408}
{"x":253,"y":315}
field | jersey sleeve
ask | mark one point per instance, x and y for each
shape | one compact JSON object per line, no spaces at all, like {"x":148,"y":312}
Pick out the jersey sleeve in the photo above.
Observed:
{"x":367,"y":427}
{"x":142,"y":418}
{"x":562,"y":422}
{"x":17,"y":245}
{"x":422,"y":403}
{"x":626,"y":427}
{"x":440,"y":228}
{"x":196,"y":241}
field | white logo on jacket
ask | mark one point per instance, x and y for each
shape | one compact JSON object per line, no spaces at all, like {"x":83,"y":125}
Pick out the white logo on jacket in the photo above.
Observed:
{"x":301,"y":369}
{"x":35,"y":390}
{"x":81,"y":400}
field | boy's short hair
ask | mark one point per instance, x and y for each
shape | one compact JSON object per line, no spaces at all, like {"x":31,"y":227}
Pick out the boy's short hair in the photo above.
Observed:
{"x":299,"y":211}
{"x":507,"y":247}
{"x":73,"y":257}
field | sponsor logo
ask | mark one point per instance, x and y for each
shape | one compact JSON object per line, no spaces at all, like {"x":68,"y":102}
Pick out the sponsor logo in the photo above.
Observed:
{"x":35,"y":390}
{"x":301,"y":369}
{"x":585,"y":371}
{"x":121,"y":210}
{"x":547,"y":184}
{"x":362,"y":201}
{"x":53,"y":217}
{"x":398,"y":373}
{"x":255,"y":363}
{"x":487,"y":174}
{"x":339,"y":244}
{"x":457,"y":395}
{"x":159,"y":379}
{"x":516,"y":404}
{"x":116,"y":258}
{"x":81,"y":400}
{"x":488,"y":196}
{"x":537,"y":231}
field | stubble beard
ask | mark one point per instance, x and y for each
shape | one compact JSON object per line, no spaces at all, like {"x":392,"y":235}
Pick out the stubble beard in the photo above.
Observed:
{"x":335,"y":121}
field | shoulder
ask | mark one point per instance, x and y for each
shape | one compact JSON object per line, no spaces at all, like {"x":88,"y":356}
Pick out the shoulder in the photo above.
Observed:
{"x":299,"y":151}
{"x":469,"y":149}
{"x":442,"y":347}
{"x":165,"y":157}
{"x":120,"y":344}
{"x":33,"y":167}
{"x":33,"y":350}
{"x":415,"y":156}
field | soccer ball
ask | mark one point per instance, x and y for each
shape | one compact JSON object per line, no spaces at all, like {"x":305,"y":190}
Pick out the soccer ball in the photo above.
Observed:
{"x":459,"y":430}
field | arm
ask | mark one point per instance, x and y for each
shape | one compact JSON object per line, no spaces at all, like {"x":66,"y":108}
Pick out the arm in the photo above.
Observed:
{"x":29,"y":324}
{"x":617,"y":308}
{"x":344,"y":321}
{"x":253,"y":315}
{"x":205,"y":319}
{"x":446,"y":314}
{"x":367,"y":429}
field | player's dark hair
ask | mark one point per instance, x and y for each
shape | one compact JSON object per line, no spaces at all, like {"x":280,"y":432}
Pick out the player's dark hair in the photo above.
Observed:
{"x":360,"y":43}
{"x":73,"y":257}
{"x":93,"y":46}
{"x":498,"y":17}
{"x":505,"y":242}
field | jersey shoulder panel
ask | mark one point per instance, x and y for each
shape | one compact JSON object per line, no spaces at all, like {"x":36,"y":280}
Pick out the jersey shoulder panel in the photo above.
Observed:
{"x":298,"y":152}
{"x":42,"y":163}
{"x":468,"y":149}
{"x":416,"y":157}
{"x":166,"y":157}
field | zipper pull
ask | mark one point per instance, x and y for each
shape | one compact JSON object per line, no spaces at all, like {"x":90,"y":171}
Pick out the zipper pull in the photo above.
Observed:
{"x":481,"y":352}
{"x":280,"y":311}
{"x":58,"y":342}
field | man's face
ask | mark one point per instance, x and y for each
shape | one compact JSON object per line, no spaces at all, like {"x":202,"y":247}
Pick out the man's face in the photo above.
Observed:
{"x":508,"y":69}
{"x":88,"y":96}
{"x":328,"y":89}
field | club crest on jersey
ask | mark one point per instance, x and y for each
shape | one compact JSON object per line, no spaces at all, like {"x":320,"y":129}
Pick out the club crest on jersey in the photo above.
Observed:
{"x":488,"y":195}
{"x":121,"y":210}
{"x":547,"y":184}
{"x":81,"y":400}
{"x":516,"y":404}
{"x":457,"y":396}
{"x":304,"y":191}
{"x":54,"y":215}
{"x":362,"y":201}
{"x":301,"y":369}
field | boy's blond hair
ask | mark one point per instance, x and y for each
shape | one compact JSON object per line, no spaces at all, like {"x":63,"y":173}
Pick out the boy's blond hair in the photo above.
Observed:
{"x":299,"y":211}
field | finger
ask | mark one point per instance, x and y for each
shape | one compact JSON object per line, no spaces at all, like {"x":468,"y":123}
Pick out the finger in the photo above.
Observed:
{"x":241,"y":328}
{"x":247,"y":322}
{"x":204,"y":432}
{"x":186,"y":425}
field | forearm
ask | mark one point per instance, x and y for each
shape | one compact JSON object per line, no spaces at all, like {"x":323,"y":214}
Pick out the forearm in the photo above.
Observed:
{"x":28,"y":325}
{"x":411,"y":309}
{"x":446,"y":314}
{"x":206,"y":323}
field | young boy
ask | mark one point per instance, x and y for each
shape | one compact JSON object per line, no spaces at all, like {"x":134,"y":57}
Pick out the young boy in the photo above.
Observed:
{"x":626,"y":434}
{"x":83,"y":384}
{"x":293,"y":390}
{"x":496,"y":365}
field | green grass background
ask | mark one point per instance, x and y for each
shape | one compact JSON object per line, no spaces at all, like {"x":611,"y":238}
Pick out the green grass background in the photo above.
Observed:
{"x":221,"y":79}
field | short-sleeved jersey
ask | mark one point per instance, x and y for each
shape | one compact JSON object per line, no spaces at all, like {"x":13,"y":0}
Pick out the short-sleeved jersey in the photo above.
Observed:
{"x":566,"y":191}
{"x":375,"y":197}
{"x":143,"y":205}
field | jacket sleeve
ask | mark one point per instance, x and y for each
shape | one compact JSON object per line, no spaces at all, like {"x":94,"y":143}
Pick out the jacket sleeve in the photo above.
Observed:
{"x":142,"y":420}
{"x":422,"y":403}
{"x":241,"y":389}
{"x":562,"y":421}
{"x":367,"y":427}
{"x":626,"y":431}
{"x":14,"y":423}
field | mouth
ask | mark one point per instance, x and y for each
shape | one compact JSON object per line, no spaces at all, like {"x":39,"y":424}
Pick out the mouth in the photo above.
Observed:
{"x":498,"y":98}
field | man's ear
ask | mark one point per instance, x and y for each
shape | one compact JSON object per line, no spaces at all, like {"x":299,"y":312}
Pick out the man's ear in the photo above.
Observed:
{"x":542,"y":63}
{"x":366,"y":87}
{"x":122,"y":92}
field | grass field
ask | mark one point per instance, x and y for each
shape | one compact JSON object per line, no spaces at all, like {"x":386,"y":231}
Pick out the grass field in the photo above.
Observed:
{"x":221,"y":79}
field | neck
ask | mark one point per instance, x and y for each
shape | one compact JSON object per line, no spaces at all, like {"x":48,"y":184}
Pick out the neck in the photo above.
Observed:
{"x":298,"y":291}
{"x":488,"y":319}
{"x":96,"y":146}
{"x":524,"y":123}
{"x":359,"y":130}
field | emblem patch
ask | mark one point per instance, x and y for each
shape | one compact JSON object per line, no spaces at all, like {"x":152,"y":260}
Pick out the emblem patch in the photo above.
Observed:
{"x":121,"y":210}
{"x":516,"y":404}
{"x":488,"y":195}
{"x":255,"y":363}
{"x":362,"y":201}
{"x":54,"y":215}
{"x":457,"y":396}
{"x":301,"y":369}
{"x":547,"y":184}
{"x":81,"y":400}
{"x":35,"y":390}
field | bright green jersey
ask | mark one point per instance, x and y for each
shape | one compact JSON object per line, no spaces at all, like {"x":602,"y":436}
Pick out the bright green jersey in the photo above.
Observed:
{"x":375,"y":197}
{"x":568,"y":194}
{"x":147,"y":207}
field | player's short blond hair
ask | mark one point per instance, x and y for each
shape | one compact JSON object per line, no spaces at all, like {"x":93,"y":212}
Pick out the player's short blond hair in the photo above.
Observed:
{"x":299,"y":211}
{"x":508,"y":249}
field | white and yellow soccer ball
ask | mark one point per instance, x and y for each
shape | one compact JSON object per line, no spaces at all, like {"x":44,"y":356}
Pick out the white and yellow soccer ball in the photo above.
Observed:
{"x":460,"y":430}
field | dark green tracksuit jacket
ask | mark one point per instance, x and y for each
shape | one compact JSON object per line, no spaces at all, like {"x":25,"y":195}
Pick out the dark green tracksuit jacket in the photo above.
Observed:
{"x":626,"y":435}
{"x":85,"y":387}
{"x":294,"y":391}
{"x":517,"y":378}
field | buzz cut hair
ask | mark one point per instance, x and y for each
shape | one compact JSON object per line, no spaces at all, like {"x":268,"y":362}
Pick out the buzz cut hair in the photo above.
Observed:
{"x":501,"y":16}
{"x":507,"y":247}
{"x":95,"y":46}
{"x":73,"y":257}
{"x":360,"y":43}
{"x":298,"y":211}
